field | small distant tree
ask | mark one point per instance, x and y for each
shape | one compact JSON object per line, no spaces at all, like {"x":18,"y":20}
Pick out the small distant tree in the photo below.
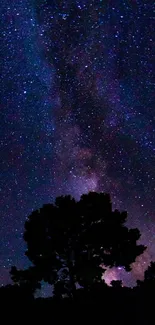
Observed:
{"x":149,"y":274}
{"x":68,"y":241}
{"x":27,"y":279}
{"x":116,"y":283}
{"x":149,"y":278}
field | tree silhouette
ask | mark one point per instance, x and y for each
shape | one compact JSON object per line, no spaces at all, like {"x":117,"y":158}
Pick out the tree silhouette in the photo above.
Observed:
{"x":116,"y":283}
{"x":149,"y":278}
{"x":26,"y":278}
{"x":69,"y":241}
{"x":149,"y":274}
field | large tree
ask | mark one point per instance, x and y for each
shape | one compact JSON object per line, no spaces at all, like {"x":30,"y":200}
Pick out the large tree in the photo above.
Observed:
{"x":68,"y":241}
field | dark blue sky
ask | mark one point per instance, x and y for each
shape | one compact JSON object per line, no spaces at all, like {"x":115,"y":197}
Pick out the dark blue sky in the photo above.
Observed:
{"x":77,"y":112}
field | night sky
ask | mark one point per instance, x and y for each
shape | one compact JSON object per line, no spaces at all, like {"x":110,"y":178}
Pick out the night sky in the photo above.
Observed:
{"x":77,"y":113}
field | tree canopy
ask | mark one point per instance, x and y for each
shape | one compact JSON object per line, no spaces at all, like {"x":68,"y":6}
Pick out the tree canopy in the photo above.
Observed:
{"x":68,"y":242}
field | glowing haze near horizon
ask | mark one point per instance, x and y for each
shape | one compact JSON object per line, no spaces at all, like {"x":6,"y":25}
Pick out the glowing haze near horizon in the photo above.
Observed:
{"x":77,"y":113}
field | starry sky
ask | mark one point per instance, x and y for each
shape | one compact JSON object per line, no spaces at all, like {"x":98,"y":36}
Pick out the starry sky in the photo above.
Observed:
{"x":77,"y":113}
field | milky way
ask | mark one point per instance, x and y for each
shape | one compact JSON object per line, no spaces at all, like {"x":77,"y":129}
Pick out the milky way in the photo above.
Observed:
{"x":77,"y":112}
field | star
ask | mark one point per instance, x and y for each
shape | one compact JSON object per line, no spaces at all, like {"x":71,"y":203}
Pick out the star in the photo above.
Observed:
{"x":77,"y":103}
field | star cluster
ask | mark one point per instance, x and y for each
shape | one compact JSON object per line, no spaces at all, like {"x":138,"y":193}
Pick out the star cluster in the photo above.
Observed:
{"x":77,"y":112}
